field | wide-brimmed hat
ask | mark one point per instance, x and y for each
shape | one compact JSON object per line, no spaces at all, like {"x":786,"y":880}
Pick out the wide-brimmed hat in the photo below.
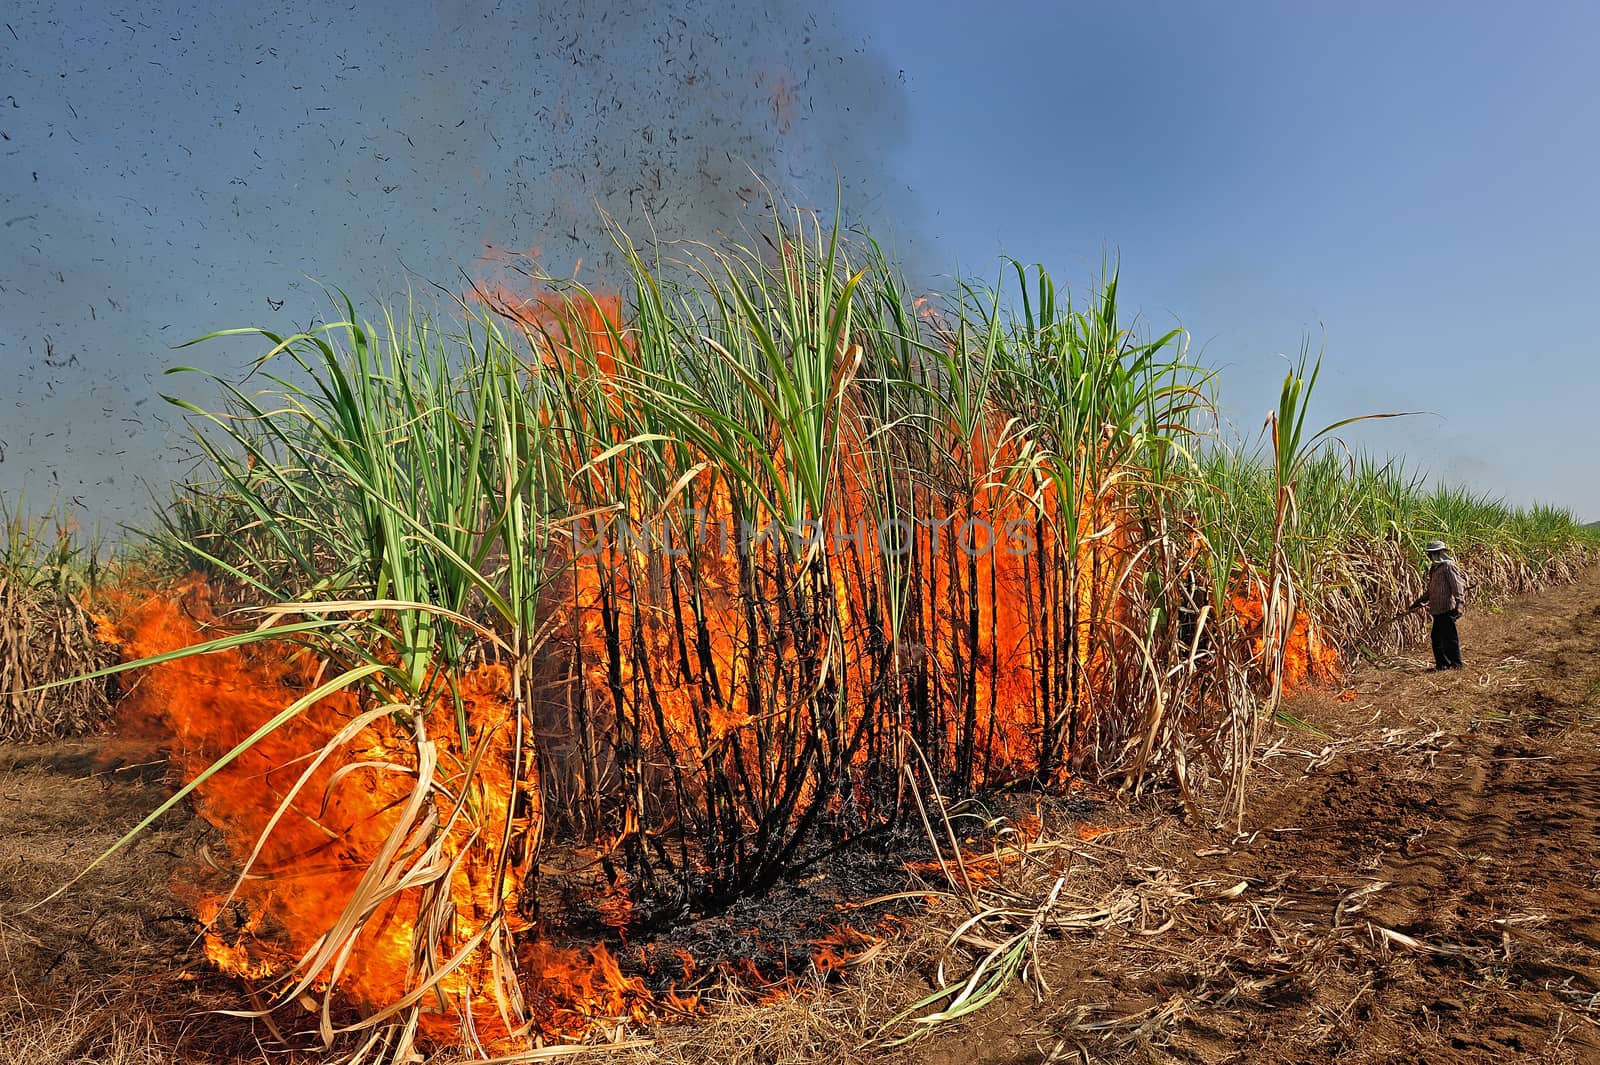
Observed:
{"x":1434,"y":545}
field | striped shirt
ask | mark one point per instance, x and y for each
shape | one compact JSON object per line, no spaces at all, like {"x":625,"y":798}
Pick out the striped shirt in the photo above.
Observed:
{"x":1445,"y":592}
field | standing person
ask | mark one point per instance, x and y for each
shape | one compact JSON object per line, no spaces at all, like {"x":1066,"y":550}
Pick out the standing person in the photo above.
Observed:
{"x":1444,"y":597}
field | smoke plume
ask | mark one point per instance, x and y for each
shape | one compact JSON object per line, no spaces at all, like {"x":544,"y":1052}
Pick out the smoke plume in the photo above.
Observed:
{"x":167,"y":171}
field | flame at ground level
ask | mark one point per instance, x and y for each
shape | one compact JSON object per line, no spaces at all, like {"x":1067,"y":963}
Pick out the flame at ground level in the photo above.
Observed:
{"x":334,"y":818}
{"x":702,"y":695}
{"x":334,"y":823}
{"x":1308,"y":658}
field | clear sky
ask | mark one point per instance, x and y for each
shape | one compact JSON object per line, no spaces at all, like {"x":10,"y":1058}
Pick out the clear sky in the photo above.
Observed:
{"x":1409,"y":186}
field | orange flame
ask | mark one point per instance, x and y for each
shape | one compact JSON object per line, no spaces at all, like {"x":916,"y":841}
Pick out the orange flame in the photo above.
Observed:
{"x":987,"y":646}
{"x":1308,"y":658}
{"x":334,"y":826}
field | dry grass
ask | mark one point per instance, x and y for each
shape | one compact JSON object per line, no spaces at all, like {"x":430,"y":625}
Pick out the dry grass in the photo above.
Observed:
{"x":47,"y":635}
{"x":830,"y":1025}
{"x":47,"y":573}
{"x":98,"y":1030}
{"x":97,"y":975}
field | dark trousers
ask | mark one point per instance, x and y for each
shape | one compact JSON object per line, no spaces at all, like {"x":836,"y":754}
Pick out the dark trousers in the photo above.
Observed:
{"x":1446,"y":644}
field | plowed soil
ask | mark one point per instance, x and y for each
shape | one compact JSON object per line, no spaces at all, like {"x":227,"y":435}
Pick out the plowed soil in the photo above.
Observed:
{"x":1420,"y":885}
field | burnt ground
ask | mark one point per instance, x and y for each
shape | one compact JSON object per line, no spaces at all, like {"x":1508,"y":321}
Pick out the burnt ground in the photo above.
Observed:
{"x":1421,"y":884}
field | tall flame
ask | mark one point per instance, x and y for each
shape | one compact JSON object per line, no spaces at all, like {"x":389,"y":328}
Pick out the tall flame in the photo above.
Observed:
{"x":680,"y":658}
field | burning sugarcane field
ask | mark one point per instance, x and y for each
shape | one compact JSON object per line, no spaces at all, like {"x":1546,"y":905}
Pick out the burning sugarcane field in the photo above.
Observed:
{"x":691,"y":628}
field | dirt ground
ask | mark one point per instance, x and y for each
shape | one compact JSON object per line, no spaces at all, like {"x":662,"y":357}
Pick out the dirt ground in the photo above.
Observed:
{"x":1421,"y":884}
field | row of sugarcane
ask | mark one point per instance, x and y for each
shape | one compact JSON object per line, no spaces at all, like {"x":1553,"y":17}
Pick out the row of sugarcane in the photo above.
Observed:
{"x":986,"y":540}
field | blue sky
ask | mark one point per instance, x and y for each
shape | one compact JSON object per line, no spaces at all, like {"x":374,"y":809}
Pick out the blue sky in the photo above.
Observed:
{"x":1408,"y":187}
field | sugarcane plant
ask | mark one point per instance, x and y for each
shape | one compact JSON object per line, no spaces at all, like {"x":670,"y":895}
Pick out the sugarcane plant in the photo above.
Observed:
{"x":771,"y":555}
